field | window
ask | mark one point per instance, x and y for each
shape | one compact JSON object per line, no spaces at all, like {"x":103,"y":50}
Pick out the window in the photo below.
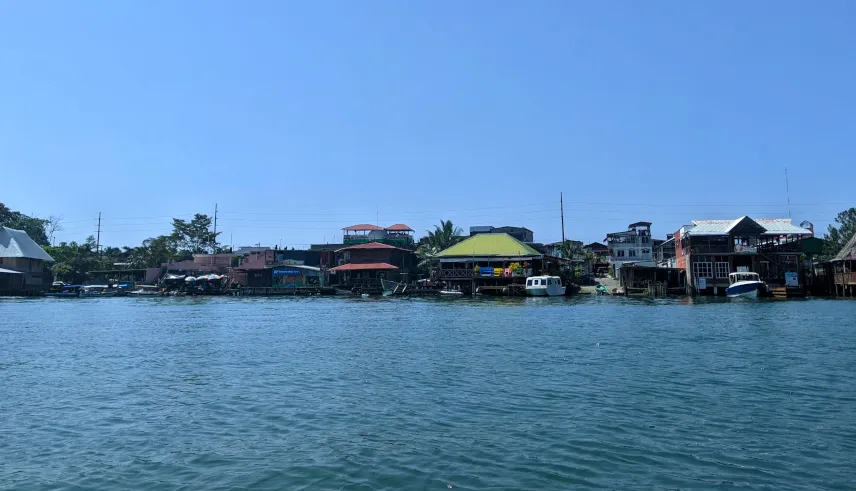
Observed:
{"x":528,"y":282}
{"x":620,"y":253}
{"x":702,"y":269}
{"x":722,"y":269}
{"x":632,"y":252}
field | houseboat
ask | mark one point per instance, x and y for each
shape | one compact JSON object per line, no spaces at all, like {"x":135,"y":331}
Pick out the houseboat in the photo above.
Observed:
{"x":544,"y":286}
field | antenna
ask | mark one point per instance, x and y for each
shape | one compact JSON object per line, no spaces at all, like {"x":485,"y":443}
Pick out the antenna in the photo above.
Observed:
{"x":98,"y":239}
{"x":377,"y":215}
{"x":214,"y":247}
{"x":562,"y":206}
{"x":788,"y":191}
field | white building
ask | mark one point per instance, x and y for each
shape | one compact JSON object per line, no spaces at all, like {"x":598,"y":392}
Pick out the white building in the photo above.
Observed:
{"x":22,"y":263}
{"x":631,"y":246}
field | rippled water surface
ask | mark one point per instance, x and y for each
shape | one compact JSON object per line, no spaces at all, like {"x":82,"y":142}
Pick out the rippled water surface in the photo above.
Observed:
{"x":221,"y":393}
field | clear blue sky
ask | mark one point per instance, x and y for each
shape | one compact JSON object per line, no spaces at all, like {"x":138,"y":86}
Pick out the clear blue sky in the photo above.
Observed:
{"x":300,"y":118}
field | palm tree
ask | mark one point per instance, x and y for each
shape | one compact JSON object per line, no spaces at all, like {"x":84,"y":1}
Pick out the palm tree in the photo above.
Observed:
{"x":442,"y":237}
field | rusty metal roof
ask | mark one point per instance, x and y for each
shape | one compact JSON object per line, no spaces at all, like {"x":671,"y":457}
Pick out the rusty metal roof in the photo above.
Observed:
{"x":363,"y":267}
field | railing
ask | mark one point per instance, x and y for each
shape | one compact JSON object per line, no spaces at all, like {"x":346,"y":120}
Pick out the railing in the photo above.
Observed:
{"x":448,"y":274}
{"x":844,"y":278}
{"x":457,"y":273}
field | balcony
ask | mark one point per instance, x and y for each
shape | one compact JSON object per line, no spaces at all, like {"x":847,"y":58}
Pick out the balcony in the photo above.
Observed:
{"x":464,"y":274}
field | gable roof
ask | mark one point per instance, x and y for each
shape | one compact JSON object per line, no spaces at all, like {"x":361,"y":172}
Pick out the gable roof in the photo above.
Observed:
{"x":16,"y":243}
{"x":849,"y":250}
{"x":371,"y":245}
{"x":399,"y":227}
{"x":770,"y":226}
{"x":489,"y":245}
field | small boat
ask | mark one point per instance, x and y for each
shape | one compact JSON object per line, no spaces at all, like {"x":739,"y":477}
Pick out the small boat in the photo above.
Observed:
{"x":544,"y":286}
{"x":146,"y":291}
{"x":451,"y":293}
{"x":64,"y":291}
{"x":97,"y":291}
{"x":744,"y":285}
{"x":601,"y":290}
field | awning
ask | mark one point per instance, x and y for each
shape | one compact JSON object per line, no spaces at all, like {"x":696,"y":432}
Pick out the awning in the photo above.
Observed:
{"x":9,"y":271}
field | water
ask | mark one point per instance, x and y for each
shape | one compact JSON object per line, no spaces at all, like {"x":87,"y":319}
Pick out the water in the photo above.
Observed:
{"x":220,"y":393}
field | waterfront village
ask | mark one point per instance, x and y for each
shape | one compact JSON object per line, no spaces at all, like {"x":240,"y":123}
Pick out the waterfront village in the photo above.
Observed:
{"x":703,"y":257}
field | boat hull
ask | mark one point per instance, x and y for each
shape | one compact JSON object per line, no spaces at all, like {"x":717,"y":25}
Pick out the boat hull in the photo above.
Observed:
{"x":63,"y":295}
{"x":545,"y":291}
{"x":743,"y":289}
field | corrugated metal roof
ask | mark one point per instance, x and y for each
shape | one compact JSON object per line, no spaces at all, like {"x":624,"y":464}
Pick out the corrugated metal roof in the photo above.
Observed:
{"x":489,"y":245}
{"x":372,"y":245}
{"x":9,"y":271}
{"x":772,"y":226}
{"x":16,"y":243}
{"x":849,"y":251}
{"x":363,"y":267}
{"x":781,"y":226}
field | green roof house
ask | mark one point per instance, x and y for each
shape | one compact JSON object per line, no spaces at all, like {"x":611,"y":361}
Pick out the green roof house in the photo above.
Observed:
{"x":488,"y":261}
{"x":490,"y":246}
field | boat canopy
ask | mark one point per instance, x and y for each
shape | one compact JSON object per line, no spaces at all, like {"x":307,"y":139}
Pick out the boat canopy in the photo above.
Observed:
{"x":743,"y":276}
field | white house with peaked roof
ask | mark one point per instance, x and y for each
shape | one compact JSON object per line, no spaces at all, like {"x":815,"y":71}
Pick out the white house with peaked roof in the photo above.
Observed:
{"x":22,"y":262}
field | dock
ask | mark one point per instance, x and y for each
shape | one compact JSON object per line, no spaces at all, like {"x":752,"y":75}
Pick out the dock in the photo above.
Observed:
{"x":305,"y":291}
{"x":786,"y":292}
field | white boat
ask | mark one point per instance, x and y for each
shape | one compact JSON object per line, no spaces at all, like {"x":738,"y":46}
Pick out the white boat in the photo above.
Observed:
{"x":544,"y":286}
{"x":744,"y":285}
{"x":146,"y":291}
{"x":451,"y":293}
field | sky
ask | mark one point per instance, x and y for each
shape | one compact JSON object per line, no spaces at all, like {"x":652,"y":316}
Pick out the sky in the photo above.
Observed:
{"x":297,"y":119}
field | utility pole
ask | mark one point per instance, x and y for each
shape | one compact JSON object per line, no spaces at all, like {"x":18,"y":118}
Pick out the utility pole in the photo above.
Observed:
{"x":214,"y":246}
{"x":788,"y":191}
{"x":562,"y":206}
{"x":98,"y":239}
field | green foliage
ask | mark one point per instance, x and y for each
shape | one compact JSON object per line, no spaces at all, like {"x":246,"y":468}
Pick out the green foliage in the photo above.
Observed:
{"x":35,"y":227}
{"x":195,"y":236}
{"x":837,"y":236}
{"x":442,"y":237}
{"x":575,"y":251}
{"x":74,"y":261}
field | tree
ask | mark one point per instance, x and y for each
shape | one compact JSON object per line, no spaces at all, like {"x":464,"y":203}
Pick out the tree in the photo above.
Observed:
{"x":53,"y":224}
{"x":442,"y":237}
{"x":35,"y":227}
{"x":445,"y":235}
{"x":836,"y":237}
{"x":195,"y":236}
{"x":74,"y":261}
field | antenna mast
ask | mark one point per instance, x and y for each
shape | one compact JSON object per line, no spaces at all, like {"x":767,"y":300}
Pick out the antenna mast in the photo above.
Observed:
{"x":98,"y":239}
{"x":562,"y":206}
{"x":788,"y":191}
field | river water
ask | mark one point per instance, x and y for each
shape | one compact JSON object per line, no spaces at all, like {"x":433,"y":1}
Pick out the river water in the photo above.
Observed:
{"x":389,"y":394}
